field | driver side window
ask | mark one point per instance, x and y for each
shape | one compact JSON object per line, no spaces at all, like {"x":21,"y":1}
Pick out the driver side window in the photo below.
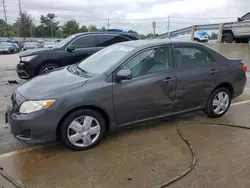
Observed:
{"x":150,"y":61}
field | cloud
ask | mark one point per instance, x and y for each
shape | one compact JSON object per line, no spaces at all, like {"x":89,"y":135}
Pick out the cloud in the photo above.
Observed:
{"x":136,"y":14}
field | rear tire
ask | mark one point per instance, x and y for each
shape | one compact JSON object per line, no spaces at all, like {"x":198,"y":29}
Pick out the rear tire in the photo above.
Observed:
{"x":82,"y":129}
{"x":227,"y":38}
{"x":218,"y":103}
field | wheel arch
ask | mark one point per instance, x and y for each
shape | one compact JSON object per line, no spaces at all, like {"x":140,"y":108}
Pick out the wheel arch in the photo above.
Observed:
{"x":225,"y":85}
{"x":228,"y":31}
{"x":89,"y":107}
{"x":46,"y":62}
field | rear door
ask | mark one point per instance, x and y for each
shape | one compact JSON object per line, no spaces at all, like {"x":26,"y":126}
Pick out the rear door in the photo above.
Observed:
{"x":197,"y":74}
{"x":151,"y":91}
{"x":84,"y":47}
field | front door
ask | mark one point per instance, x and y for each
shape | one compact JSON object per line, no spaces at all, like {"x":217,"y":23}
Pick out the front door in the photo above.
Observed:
{"x":84,"y":47}
{"x":197,"y":75}
{"x":151,"y":90}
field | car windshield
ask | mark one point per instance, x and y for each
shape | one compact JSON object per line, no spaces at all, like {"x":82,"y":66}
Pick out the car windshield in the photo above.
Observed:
{"x":5,"y":44}
{"x":64,"y":41}
{"x":49,"y":43}
{"x":30,"y":45}
{"x":104,"y":59}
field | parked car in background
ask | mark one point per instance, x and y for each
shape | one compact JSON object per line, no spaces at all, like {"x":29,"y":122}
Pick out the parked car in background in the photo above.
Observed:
{"x":69,"y":51}
{"x":48,"y":45}
{"x":124,"y":84}
{"x":8,"y":48}
{"x":30,"y":45}
{"x":199,"y":36}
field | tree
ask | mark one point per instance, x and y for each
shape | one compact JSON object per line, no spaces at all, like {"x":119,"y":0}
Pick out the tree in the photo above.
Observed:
{"x":49,"y":25}
{"x":83,"y":29}
{"x":131,"y":31}
{"x":23,"y":24}
{"x":70,"y":27}
{"x":92,"y":28}
{"x":102,"y":29}
{"x":2,"y":22}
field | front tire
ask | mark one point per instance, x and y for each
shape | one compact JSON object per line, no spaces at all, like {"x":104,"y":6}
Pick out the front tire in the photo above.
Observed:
{"x":227,"y":38}
{"x":218,"y":103}
{"x":83,"y":129}
{"x":47,"y":68}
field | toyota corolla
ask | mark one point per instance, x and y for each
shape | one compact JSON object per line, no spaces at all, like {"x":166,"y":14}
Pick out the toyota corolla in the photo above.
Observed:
{"x":123,"y":84}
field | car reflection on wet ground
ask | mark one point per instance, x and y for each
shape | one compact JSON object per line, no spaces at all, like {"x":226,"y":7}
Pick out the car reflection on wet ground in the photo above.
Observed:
{"x":139,"y":156}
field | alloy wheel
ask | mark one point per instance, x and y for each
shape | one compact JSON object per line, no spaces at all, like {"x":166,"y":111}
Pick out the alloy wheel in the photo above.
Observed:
{"x":48,"y":69}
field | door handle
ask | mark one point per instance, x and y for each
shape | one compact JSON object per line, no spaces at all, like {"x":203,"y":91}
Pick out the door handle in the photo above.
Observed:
{"x":168,"y":80}
{"x":213,"y":71}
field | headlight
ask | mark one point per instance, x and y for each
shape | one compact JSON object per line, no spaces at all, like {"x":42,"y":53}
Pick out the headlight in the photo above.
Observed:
{"x":28,"y":58}
{"x":32,"y":106}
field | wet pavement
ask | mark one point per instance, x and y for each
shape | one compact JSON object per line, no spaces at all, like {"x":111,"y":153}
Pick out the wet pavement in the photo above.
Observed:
{"x":137,"y":156}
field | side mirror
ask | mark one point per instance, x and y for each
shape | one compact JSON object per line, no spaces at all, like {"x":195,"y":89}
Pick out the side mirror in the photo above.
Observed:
{"x":70,"y":48}
{"x":239,"y":19}
{"x":123,"y":75}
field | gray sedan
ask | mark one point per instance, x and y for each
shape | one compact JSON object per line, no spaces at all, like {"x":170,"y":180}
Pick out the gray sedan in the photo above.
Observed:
{"x":123,"y":84}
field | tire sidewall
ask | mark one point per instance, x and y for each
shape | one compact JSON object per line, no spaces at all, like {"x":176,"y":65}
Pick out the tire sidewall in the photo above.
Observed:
{"x":210,"y":102}
{"x":73,"y":116}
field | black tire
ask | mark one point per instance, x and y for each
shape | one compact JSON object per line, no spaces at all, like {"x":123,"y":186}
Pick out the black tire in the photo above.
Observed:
{"x":44,"y":67}
{"x":227,"y":38}
{"x":70,"y":118}
{"x":196,"y":40}
{"x":209,"y":107}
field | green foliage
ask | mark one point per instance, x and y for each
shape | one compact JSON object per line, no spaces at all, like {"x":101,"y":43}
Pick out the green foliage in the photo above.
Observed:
{"x":49,"y":27}
{"x":92,"y":28}
{"x":70,"y":27}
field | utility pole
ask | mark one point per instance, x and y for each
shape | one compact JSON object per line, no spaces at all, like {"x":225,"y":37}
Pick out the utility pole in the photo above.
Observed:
{"x":31,"y":31}
{"x":168,"y":23}
{"x":108,"y":23}
{"x":21,"y":18}
{"x":51,"y":30}
{"x":6,"y":21}
{"x":154,"y":29}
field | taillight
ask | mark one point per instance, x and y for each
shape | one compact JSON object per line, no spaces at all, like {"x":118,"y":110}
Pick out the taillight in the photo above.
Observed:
{"x":244,"y":68}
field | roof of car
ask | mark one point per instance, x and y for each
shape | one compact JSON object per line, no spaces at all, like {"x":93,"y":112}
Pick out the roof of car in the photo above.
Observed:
{"x":106,"y":32}
{"x":154,"y":42}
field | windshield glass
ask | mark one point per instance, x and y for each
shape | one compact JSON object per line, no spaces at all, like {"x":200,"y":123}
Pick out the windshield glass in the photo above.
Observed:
{"x":64,"y":41}
{"x":30,"y":44}
{"x":104,"y":59}
{"x":7,"y":44}
{"x":49,"y":43}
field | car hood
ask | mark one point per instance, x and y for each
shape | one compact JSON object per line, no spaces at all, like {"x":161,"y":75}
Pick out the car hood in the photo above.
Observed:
{"x":50,"y":84}
{"x":36,"y":51}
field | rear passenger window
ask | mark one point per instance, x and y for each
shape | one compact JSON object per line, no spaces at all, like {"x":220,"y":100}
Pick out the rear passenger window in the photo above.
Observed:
{"x":107,"y":40}
{"x":85,"y":42}
{"x":191,"y":57}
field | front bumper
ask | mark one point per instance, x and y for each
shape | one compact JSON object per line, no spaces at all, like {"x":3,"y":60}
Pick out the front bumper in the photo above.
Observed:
{"x":33,"y":128}
{"x":24,"y":70}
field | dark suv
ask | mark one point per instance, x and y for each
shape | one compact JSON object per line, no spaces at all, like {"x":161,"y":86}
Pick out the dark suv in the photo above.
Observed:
{"x":69,"y":51}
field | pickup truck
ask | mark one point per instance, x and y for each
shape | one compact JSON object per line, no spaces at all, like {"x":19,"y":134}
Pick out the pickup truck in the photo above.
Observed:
{"x":238,"y":31}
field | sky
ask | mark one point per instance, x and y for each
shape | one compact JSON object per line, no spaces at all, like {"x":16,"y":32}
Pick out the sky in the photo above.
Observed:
{"x":137,"y":15}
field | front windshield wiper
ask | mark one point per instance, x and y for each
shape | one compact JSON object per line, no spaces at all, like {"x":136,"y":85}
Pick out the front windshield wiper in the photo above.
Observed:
{"x":79,"y":68}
